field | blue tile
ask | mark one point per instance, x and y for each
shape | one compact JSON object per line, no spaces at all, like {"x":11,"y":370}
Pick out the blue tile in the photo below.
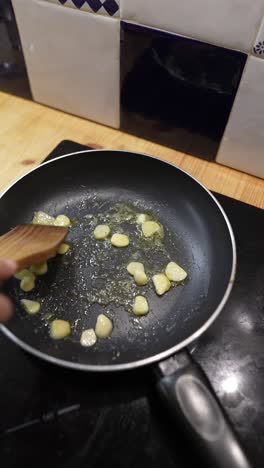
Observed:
{"x":111,"y":7}
{"x":175,"y":90}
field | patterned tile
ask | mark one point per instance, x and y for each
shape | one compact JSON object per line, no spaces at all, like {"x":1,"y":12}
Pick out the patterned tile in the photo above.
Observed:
{"x":102,"y":7}
{"x":258,"y":48}
{"x":243,"y":141}
{"x":228,"y":23}
{"x":175,"y":90}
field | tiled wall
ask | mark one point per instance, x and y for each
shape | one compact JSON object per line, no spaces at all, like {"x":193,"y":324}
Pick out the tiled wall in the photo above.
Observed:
{"x":72,"y":57}
{"x":185,"y":74}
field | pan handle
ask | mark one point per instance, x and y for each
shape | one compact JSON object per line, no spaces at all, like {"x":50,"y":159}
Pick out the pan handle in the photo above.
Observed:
{"x":192,"y":403}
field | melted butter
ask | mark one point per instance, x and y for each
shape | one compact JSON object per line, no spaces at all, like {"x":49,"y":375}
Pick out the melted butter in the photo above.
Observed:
{"x":116,"y":287}
{"x":98,"y":271}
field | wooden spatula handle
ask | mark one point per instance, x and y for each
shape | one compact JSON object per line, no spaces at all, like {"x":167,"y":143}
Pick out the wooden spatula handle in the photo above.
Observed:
{"x":28,"y":244}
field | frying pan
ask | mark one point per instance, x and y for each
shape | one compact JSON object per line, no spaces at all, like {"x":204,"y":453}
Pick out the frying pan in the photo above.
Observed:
{"x":198,"y":236}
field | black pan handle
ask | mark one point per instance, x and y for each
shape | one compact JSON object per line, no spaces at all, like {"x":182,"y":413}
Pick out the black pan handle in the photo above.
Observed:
{"x":193,"y":405}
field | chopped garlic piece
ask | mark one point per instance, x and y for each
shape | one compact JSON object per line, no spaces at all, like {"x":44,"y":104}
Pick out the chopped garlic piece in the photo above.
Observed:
{"x":141,"y":218}
{"x":174,"y":272}
{"x":25,"y":273}
{"x":62,"y":220}
{"x":88,"y":337}
{"x":132,"y":267}
{"x":59,"y":329}
{"x":27,"y":280}
{"x":43,"y":218}
{"x":27,"y":284}
{"x":161,"y":283}
{"x":39,"y":268}
{"x":140,"y":278}
{"x":31,"y":307}
{"x":103,"y":327}
{"x":63,"y":248}
{"x":101,"y":231}
{"x":137,"y":270}
{"x":140,"y":306}
{"x":150,"y":227}
{"x":120,"y":240}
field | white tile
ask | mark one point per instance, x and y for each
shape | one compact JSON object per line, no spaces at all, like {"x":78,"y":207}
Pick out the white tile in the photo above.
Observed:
{"x":258,"y":47}
{"x":231,"y":23}
{"x":242,"y":146}
{"x":100,"y":7}
{"x":72,"y":59}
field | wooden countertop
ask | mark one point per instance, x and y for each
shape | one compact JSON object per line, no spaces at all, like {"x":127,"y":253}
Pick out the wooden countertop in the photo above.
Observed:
{"x":29,"y":131}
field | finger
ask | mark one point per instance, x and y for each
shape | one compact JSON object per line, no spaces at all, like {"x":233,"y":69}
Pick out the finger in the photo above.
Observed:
{"x":7,"y":268}
{"x":6,"y":308}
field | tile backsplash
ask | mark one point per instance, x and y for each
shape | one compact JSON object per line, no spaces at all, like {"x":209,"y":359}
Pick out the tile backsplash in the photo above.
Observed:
{"x":185,"y":74}
{"x":176,"y":90}
{"x":242,"y":146}
{"x":75,"y":67}
{"x":101,"y":7}
{"x":229,"y":23}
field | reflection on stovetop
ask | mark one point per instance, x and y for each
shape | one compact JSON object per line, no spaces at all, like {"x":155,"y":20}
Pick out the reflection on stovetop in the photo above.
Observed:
{"x":71,"y":419}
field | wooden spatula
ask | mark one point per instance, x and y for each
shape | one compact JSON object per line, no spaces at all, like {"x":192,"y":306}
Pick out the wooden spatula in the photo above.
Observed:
{"x":28,"y":244}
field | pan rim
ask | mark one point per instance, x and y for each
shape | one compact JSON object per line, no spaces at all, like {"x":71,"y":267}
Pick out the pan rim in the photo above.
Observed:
{"x":170,"y":351}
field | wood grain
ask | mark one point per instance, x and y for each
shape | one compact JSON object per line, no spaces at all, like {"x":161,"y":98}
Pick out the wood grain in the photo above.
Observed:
{"x":29,"y":131}
{"x":28,"y":244}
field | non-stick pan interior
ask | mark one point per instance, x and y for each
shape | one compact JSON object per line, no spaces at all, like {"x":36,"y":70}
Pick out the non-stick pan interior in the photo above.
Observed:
{"x":196,"y":236}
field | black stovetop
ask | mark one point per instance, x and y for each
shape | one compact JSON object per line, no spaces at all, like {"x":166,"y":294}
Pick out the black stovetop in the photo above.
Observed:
{"x":50,"y":415}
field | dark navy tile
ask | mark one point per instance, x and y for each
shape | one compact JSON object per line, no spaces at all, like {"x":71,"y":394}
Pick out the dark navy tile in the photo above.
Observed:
{"x":175,"y":90}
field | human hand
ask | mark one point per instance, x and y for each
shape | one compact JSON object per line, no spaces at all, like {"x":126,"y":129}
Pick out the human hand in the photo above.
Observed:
{"x":7,"y":269}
